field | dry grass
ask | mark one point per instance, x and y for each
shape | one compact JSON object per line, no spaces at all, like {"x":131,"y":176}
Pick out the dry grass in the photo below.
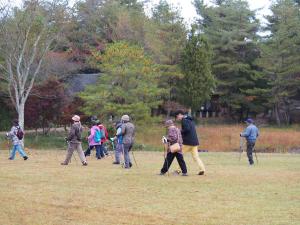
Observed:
{"x":226,"y":138}
{"x":40,"y":191}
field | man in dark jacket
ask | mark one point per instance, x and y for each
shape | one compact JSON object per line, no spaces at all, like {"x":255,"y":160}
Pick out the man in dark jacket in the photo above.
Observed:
{"x":190,"y":138}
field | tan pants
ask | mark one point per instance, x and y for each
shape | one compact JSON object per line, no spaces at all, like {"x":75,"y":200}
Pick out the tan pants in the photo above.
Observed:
{"x":78,"y":148}
{"x":195,"y":155}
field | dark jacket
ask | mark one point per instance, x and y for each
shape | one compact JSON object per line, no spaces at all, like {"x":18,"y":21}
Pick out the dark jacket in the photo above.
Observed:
{"x":188,"y":132}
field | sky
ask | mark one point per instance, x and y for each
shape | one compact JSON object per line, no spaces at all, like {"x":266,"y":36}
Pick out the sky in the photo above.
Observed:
{"x":188,"y":10}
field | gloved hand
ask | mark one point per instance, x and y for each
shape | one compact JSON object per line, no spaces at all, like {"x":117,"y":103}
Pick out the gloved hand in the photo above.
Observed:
{"x":66,"y":139}
{"x":164,"y":140}
{"x":112,"y":139}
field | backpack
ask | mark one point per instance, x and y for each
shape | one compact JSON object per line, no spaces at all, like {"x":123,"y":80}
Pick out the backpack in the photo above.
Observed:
{"x":98,"y":136}
{"x":20,"y":133}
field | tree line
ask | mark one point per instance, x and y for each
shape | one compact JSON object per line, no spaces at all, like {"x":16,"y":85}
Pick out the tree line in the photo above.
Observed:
{"x":148,"y":64}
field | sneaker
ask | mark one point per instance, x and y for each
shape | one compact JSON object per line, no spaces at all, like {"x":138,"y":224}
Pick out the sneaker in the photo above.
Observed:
{"x":176,"y":172}
{"x":25,"y":157}
{"x":10,"y":158}
{"x":201,"y":173}
{"x":98,"y":158}
{"x":161,"y":174}
{"x":184,"y":174}
{"x":130,"y":164}
{"x":64,"y":164}
{"x":84,"y":164}
{"x":116,"y":163}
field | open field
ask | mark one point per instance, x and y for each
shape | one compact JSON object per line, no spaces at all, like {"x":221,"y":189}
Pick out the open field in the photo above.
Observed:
{"x":40,"y":191}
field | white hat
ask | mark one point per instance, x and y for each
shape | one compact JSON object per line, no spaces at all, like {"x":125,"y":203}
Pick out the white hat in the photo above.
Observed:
{"x":125,"y":118}
{"x":76,"y":118}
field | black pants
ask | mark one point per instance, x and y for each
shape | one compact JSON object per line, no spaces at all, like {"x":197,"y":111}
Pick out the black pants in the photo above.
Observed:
{"x":250,"y":147}
{"x":169,"y":160}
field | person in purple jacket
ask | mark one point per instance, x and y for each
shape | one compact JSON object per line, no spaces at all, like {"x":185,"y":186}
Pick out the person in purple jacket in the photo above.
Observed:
{"x":174,"y":136}
{"x":93,"y":142}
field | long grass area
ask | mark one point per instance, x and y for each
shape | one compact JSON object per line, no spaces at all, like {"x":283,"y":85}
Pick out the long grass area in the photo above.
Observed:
{"x":225,"y":138}
{"x":41,"y":191}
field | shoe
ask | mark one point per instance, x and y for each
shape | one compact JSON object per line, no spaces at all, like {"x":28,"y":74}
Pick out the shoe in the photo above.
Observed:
{"x":84,"y":164}
{"x":25,"y":157}
{"x":161,"y":174}
{"x":184,"y":174}
{"x":130,"y":164}
{"x":126,"y":167}
{"x":64,"y":164}
{"x":116,"y":163}
{"x":10,"y":158}
{"x":98,"y":158}
{"x":201,"y":173}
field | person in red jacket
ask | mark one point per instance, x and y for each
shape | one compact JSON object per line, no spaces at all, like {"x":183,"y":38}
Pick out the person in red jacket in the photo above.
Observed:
{"x":104,"y":139}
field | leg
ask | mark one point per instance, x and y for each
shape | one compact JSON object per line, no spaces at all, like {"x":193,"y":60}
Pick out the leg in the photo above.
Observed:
{"x":102,"y":151}
{"x":250,"y":146}
{"x":118,"y":152}
{"x":13,"y":152}
{"x":80,"y":153}
{"x":22,"y":153}
{"x":126,"y":155}
{"x":168,"y":162}
{"x":197,"y":159}
{"x":181,"y":162}
{"x":88,"y":151}
{"x":69,"y":154}
{"x":98,"y":150}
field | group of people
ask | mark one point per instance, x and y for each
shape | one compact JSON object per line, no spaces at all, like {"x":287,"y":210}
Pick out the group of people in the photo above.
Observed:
{"x":177,"y":141}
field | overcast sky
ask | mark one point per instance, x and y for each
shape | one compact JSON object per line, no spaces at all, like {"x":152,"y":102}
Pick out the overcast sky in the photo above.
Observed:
{"x":188,"y":10}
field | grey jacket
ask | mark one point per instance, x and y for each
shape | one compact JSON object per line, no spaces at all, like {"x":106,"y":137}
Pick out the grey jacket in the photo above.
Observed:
{"x":75,"y":133}
{"x":12,"y":135}
{"x":128,"y":131}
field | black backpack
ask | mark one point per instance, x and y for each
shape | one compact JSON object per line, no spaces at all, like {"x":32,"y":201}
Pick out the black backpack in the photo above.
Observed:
{"x":20,"y":133}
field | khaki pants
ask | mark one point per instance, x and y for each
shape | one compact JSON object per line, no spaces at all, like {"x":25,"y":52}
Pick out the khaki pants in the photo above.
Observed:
{"x":78,"y":148}
{"x":195,"y":155}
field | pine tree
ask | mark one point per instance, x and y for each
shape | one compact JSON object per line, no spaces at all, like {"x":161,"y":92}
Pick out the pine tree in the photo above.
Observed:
{"x":231,"y":28}
{"x":280,"y":57}
{"x":198,"y":82}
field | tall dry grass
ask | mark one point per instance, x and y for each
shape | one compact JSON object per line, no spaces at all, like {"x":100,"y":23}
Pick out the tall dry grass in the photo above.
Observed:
{"x":225,"y":138}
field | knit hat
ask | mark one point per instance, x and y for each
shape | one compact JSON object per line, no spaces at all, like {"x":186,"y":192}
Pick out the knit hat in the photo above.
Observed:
{"x":125,"y":118}
{"x":249,"y":120}
{"x":76,"y":118}
{"x":169,"y":123}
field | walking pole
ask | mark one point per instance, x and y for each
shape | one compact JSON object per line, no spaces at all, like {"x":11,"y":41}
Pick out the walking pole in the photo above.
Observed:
{"x":241,"y":147}
{"x":165,"y":151}
{"x":134,"y":159}
{"x":254,"y":150}
{"x":123,"y":164}
{"x":8,"y":146}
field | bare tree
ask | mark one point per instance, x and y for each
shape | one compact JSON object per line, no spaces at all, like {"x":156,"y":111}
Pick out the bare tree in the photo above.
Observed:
{"x":26,"y":35}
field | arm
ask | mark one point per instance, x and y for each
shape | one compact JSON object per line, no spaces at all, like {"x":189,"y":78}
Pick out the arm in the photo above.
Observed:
{"x":172,"y":135}
{"x":92,"y":133}
{"x":185,"y":127}
{"x":119,"y":131}
{"x":123,"y":129}
{"x":71,"y":133}
{"x":246,"y":132}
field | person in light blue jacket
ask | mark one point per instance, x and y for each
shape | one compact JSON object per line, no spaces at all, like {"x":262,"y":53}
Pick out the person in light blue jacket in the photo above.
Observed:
{"x":251,"y":133}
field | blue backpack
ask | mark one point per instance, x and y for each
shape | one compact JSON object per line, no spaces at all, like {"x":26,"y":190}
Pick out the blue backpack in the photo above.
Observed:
{"x":98,"y":136}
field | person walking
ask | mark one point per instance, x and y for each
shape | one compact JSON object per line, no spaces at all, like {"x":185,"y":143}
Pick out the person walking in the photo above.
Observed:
{"x":74,"y":141}
{"x":128,"y":132}
{"x":190,"y":138}
{"x":104,"y":138}
{"x":173,"y":137}
{"x":95,"y":139}
{"x":119,"y":141}
{"x":16,"y":136}
{"x":251,"y":133}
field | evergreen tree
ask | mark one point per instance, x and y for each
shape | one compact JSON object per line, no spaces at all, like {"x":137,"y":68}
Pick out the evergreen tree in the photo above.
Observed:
{"x":231,"y":28}
{"x":129,"y":84}
{"x":198,"y":82}
{"x":280,"y":57}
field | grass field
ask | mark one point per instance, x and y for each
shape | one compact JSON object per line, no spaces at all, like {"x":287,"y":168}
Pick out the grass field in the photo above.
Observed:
{"x":40,"y":191}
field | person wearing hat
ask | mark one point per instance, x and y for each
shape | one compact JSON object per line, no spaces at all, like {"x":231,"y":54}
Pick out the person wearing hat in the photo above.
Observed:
{"x":173,"y":137}
{"x":128,"y":132}
{"x":251,"y":133}
{"x":119,"y":141}
{"x":16,"y":140}
{"x":74,"y":140}
{"x":190,"y":139}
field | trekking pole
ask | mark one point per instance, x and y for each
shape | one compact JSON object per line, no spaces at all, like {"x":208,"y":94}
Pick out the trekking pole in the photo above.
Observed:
{"x":241,"y":147}
{"x":123,"y":164}
{"x":134,"y":159}
{"x":254,"y":150}
{"x":165,"y":152}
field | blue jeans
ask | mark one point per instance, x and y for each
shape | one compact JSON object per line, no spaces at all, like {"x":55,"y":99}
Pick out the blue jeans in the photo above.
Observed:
{"x":99,"y":151}
{"x":19,"y":149}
